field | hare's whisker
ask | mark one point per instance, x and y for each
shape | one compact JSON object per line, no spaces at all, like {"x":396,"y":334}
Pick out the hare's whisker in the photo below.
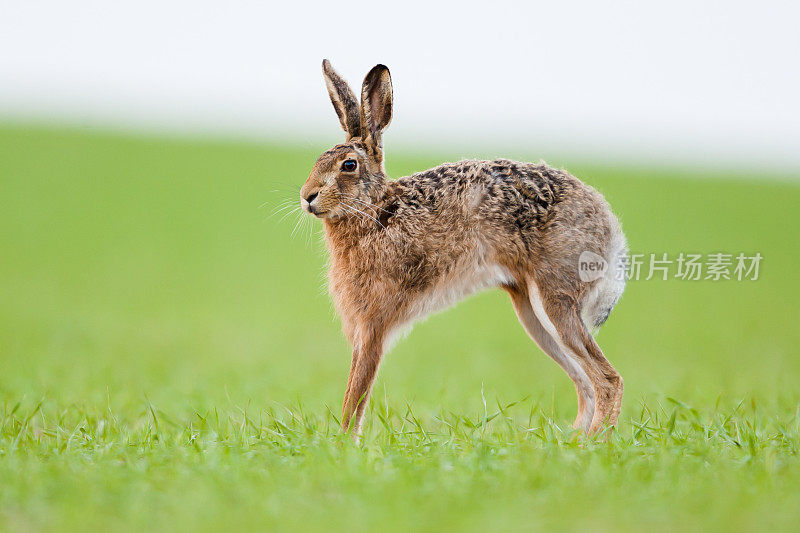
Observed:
{"x":353,"y":211}
{"x":367,"y":215}
{"x":282,"y":209}
{"x":267,"y":202}
{"x":296,"y":210}
{"x":309,"y":231}
{"x":349,"y":210}
{"x":285,"y":201}
{"x":283,"y":186}
{"x":365,"y":203}
{"x":296,"y":225}
{"x":374,"y":208}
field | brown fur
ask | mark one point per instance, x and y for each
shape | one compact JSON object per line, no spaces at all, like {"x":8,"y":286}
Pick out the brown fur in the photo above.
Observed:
{"x":402,"y":249}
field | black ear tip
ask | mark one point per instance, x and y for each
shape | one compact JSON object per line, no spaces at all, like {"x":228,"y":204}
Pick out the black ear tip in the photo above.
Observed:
{"x":326,"y":64}
{"x":377,"y":71}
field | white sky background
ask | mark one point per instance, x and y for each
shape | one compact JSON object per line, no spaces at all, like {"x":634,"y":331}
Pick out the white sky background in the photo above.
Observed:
{"x":713,"y":83}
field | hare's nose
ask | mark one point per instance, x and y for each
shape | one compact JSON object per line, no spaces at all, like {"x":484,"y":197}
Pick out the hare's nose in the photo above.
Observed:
{"x":310,"y":198}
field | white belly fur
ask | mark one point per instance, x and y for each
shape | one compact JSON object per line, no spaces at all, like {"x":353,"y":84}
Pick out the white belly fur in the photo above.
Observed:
{"x":467,"y":280}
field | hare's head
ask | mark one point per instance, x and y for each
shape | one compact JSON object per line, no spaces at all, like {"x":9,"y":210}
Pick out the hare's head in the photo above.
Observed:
{"x":352,"y":173}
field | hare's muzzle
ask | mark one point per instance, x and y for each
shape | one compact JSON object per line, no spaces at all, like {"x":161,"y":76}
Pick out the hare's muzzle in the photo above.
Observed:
{"x":308,"y":202}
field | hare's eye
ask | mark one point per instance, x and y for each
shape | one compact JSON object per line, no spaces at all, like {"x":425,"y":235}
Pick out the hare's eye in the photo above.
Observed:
{"x":349,"y":165}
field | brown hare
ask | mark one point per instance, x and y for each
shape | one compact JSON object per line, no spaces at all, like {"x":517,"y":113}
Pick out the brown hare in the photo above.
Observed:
{"x":402,"y":249}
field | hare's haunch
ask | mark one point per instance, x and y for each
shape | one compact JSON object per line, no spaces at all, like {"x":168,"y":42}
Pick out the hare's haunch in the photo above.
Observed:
{"x":401,"y":249}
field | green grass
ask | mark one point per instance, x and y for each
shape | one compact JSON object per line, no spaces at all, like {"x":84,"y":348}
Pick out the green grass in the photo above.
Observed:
{"x":169,"y":359}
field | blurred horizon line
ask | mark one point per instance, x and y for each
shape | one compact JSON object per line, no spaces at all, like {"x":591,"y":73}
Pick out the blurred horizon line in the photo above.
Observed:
{"x":319,"y":137}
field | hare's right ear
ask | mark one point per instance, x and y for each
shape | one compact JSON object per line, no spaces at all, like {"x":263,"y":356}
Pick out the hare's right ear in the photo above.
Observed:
{"x":343,"y":100}
{"x":376,"y":108}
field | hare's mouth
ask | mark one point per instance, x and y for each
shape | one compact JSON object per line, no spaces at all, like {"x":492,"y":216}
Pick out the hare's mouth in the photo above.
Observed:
{"x":310,"y":209}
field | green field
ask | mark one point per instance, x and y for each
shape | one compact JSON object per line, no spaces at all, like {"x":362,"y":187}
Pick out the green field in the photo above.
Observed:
{"x":170,"y":360}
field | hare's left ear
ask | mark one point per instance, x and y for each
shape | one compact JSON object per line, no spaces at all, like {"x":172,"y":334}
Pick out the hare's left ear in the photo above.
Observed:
{"x":376,"y":108}
{"x":343,"y":100}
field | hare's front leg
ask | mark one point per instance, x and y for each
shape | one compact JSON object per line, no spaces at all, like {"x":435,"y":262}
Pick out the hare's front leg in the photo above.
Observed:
{"x":363,"y":369}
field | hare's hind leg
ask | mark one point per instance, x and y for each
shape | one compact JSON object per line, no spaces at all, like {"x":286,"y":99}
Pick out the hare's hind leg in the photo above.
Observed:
{"x":562,"y":319}
{"x":550,"y":346}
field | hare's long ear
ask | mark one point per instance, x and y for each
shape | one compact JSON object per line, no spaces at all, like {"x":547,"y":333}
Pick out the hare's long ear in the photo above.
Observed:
{"x":376,"y":108}
{"x":344,"y":101}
